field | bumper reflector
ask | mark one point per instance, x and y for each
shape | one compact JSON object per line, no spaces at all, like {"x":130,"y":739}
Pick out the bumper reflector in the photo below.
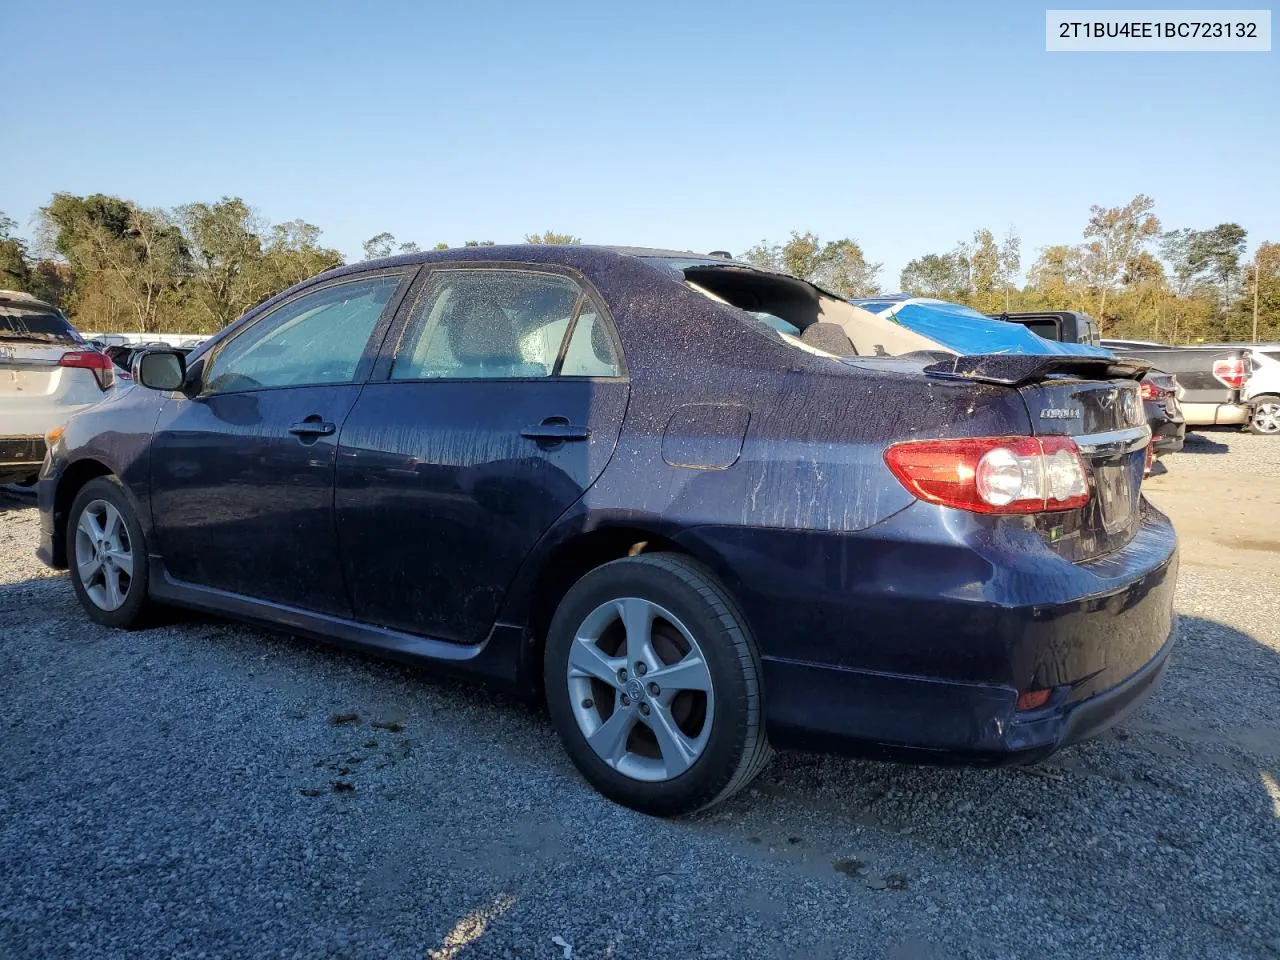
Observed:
{"x":1033,"y":699}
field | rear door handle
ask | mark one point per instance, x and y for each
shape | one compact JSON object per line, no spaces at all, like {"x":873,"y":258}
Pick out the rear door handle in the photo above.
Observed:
{"x":312,"y":428}
{"x":555,"y":430}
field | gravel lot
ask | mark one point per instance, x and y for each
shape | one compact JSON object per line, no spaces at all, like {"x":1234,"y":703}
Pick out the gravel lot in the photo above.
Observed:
{"x":204,"y":789}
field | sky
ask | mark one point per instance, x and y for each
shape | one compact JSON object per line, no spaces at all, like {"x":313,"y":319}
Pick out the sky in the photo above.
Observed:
{"x":701,"y":126}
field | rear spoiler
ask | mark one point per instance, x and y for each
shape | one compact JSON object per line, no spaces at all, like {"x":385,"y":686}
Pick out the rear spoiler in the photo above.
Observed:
{"x":1016,"y":369}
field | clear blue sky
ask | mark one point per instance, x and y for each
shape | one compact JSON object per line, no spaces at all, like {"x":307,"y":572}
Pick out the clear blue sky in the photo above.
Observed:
{"x":693,"y":125}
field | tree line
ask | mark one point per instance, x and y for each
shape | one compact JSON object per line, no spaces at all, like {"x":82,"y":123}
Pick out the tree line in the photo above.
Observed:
{"x":113,"y":265}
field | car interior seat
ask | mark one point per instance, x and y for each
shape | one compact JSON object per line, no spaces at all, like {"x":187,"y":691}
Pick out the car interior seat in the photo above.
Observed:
{"x":829,"y":337}
{"x":484,"y":342}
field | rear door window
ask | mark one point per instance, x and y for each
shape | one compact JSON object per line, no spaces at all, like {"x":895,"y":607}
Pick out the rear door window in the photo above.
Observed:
{"x":502,"y":324}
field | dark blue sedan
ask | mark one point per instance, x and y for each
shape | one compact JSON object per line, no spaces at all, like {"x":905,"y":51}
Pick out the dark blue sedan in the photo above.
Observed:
{"x":698,"y":508}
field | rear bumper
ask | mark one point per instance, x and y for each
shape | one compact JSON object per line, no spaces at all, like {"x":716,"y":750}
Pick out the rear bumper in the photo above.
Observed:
{"x":906,"y":645}
{"x":1167,"y":433}
{"x":1215,"y":414}
{"x":920,"y":718}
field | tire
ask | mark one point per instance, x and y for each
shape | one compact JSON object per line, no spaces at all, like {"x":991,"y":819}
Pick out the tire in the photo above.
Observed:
{"x":672,"y":751}
{"x":1266,"y":415}
{"x":119,"y":556}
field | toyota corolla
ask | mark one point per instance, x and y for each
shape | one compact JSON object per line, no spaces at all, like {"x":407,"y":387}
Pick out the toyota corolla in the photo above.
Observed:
{"x":702,"y":509}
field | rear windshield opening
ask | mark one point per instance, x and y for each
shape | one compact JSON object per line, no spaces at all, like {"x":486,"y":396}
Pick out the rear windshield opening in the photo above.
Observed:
{"x":24,"y":323}
{"x":801,"y":314}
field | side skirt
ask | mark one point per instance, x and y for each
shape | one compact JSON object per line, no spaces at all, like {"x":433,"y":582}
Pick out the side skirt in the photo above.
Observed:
{"x":496,"y":661}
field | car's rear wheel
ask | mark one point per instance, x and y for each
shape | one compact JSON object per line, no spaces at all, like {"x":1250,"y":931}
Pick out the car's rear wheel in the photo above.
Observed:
{"x":653,"y":683}
{"x":1266,"y":416}
{"x":107,"y":553}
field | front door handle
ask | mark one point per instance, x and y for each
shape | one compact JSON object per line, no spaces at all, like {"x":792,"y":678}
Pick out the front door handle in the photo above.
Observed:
{"x":312,"y":427}
{"x":555,"y":430}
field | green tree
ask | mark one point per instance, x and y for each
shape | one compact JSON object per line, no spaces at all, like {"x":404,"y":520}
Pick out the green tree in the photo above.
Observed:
{"x":378,"y":246}
{"x":941,"y":275}
{"x":384,"y":245}
{"x":550,"y":236}
{"x":127,"y":262}
{"x":1114,"y":236}
{"x":986,"y":272}
{"x":224,"y":242}
{"x":838,"y":265}
{"x":1010,"y":263}
{"x":1056,"y":279}
{"x":293,"y":254}
{"x":15,"y":268}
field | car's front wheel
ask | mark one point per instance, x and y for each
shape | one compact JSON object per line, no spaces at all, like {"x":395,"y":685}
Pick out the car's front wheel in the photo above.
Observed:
{"x":653,"y":683}
{"x":1266,"y":415}
{"x":107,"y":552}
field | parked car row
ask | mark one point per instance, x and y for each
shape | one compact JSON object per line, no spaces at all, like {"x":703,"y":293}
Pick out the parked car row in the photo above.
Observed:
{"x":702,"y":509}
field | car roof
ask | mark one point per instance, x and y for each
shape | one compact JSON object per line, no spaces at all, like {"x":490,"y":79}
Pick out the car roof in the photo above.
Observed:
{"x":584,"y":256}
{"x":25,"y":299}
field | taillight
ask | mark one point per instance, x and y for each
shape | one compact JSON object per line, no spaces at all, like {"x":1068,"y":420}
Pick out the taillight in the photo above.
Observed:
{"x":101,"y":365}
{"x":1231,"y":371}
{"x":993,"y":474}
{"x":1150,"y":391}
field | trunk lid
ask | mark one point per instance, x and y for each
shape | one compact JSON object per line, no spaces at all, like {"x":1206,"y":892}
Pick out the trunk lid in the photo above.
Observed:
{"x":1096,"y":402}
{"x":29,"y":369}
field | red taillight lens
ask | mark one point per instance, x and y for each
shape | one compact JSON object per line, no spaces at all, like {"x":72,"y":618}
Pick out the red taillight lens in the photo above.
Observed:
{"x":993,"y":474}
{"x":1033,"y":699}
{"x":1231,"y":372}
{"x":99,"y":363}
{"x":1150,"y":391}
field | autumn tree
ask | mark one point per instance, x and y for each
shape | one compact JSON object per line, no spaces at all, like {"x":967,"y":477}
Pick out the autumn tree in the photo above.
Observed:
{"x":1113,"y":236}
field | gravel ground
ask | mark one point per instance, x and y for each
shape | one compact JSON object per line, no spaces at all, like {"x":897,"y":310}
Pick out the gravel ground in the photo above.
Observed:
{"x":205,"y":790}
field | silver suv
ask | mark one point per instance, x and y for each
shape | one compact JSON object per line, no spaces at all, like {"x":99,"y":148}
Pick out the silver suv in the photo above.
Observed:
{"x":47,"y":373}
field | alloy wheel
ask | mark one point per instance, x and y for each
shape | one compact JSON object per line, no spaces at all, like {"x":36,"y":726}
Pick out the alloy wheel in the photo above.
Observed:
{"x":641,"y":690}
{"x":1266,"y":417}
{"x":104,"y":555}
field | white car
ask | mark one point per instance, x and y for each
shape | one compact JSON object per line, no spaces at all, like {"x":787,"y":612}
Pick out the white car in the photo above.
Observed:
{"x":1262,"y":389}
{"x":47,"y":373}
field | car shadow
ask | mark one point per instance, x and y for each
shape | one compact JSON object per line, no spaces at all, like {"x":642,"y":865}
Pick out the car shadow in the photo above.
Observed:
{"x":10,"y":501}
{"x":1201,"y":441}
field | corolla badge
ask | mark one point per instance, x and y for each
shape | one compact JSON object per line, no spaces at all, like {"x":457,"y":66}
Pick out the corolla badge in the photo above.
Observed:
{"x":1060,"y":413}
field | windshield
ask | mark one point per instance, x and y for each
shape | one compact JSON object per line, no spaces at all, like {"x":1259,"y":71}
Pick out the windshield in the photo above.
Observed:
{"x":28,"y":323}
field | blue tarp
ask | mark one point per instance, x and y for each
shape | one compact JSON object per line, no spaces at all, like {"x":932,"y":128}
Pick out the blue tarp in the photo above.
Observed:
{"x":966,"y":331}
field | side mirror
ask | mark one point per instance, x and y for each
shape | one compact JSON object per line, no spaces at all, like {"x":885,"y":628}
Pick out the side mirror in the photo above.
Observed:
{"x":160,"y":369}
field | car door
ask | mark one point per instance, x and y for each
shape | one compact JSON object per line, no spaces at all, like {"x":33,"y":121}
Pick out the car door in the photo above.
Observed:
{"x":499,"y":405}
{"x":242,"y":470}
